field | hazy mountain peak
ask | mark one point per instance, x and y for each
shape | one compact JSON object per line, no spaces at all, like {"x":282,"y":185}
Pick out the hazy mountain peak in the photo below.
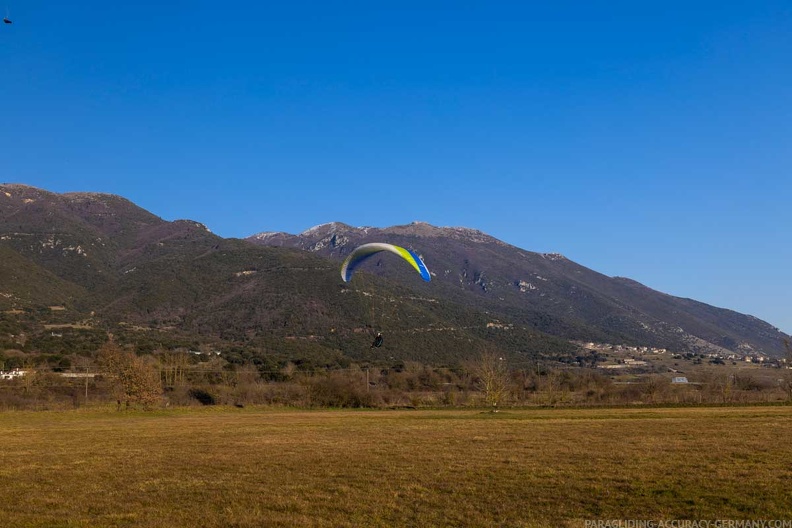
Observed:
{"x":18,"y":190}
{"x":9,"y":189}
{"x":553,"y":256}
{"x":81,"y":196}
{"x":264,"y":235}
{"x":416,"y":228}
{"x":193,"y":223}
{"x":427,"y":230}
{"x":19,"y":186}
{"x":326,"y":229}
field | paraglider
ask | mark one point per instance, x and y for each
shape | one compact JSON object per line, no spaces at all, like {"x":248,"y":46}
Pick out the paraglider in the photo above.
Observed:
{"x":364,"y":252}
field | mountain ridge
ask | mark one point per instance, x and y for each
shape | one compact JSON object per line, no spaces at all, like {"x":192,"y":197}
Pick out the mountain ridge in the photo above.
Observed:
{"x":107,"y":265}
{"x":548,"y":283}
{"x":104,"y":259}
{"x":416,"y":228}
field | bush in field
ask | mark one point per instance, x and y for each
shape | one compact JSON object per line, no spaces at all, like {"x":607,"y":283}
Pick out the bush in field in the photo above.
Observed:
{"x":286,"y":393}
{"x":655,"y":389}
{"x":339,"y":389}
{"x":134,"y":380}
{"x":746,"y":382}
{"x":203,"y":396}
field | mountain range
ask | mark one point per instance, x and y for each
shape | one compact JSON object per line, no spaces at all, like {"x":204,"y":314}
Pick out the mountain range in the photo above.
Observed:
{"x":546,"y":291}
{"x":91,"y":264}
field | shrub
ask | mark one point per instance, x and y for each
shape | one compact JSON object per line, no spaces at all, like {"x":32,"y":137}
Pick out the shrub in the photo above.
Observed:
{"x":203,"y":396}
{"x":339,"y":390}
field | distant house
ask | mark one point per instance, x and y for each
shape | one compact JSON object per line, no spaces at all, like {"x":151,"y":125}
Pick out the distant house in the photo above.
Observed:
{"x":635,"y":362}
{"x":679,"y":379}
{"x":16,"y":373}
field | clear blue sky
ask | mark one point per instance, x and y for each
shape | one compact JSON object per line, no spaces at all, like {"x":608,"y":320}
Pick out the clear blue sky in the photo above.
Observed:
{"x":651,"y":140}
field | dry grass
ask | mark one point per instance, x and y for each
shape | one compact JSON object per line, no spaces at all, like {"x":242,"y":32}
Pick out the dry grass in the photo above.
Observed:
{"x":259,"y":467}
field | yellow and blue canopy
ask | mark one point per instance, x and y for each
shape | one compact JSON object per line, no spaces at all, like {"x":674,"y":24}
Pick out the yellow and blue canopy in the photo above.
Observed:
{"x":361,"y":253}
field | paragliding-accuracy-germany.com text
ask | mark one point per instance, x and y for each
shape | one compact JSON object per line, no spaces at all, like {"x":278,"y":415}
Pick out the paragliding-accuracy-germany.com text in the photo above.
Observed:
{"x":688,"y":523}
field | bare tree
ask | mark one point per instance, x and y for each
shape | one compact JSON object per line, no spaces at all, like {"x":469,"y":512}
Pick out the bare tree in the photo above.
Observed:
{"x":493,"y":378}
{"x":654,"y":388}
{"x":173,"y":366}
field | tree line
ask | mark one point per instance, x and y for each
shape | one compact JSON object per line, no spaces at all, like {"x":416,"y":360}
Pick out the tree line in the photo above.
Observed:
{"x":118,"y":374}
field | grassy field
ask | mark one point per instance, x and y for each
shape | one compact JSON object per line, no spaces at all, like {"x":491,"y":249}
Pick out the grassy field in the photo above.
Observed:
{"x":261,"y":467}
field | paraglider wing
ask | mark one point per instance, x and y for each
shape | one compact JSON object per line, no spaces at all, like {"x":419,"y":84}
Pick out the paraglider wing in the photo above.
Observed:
{"x":364,"y":252}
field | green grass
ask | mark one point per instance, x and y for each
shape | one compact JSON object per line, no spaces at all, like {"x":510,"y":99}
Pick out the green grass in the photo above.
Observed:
{"x":262,"y":467}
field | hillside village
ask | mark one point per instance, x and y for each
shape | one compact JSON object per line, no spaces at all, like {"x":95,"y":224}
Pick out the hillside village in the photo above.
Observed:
{"x":621,"y":362}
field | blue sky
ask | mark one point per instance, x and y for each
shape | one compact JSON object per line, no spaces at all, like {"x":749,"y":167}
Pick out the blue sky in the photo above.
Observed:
{"x":651,"y":140}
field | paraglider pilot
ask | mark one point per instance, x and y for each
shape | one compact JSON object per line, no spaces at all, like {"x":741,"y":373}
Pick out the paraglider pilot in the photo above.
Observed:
{"x":377,"y":341}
